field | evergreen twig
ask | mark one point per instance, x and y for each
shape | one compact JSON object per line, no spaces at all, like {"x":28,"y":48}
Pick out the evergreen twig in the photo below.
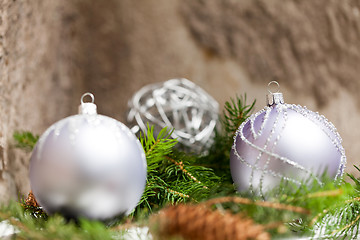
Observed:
{"x":235,"y":112}
{"x":25,"y":140}
{"x":173,"y":176}
{"x":247,"y":201}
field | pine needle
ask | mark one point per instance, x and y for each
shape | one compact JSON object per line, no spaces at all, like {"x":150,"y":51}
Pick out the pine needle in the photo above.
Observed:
{"x":274,"y":205}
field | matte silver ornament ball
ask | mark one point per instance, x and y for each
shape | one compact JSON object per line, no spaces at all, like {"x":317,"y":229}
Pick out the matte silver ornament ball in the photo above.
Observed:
{"x":88,"y":165}
{"x":285,"y":142}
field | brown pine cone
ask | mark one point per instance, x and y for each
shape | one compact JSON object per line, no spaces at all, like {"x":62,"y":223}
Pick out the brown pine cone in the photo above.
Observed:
{"x":31,"y":200}
{"x":31,"y":206}
{"x":200,"y":223}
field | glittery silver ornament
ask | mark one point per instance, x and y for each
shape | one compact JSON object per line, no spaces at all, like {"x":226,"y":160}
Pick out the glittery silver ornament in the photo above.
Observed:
{"x":88,"y":165}
{"x":284,"y":141}
{"x":178,"y":104}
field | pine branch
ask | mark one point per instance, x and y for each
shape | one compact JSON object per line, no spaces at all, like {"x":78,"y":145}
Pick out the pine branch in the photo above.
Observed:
{"x":181,"y":166}
{"x":247,"y":201}
{"x":173,"y":176}
{"x":235,"y":112}
{"x":341,"y":219}
{"x":54,"y":227}
{"x":25,"y":140}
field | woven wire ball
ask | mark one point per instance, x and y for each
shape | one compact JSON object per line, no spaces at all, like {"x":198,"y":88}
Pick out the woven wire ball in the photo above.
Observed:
{"x":178,"y":104}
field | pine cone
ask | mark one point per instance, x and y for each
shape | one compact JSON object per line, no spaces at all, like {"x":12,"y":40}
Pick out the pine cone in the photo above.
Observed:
{"x":31,"y":200}
{"x":197,"y":222}
{"x":31,"y":206}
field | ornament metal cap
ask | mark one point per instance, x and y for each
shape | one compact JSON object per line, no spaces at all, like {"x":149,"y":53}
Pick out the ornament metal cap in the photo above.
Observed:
{"x":274,"y":97}
{"x":87,"y":107}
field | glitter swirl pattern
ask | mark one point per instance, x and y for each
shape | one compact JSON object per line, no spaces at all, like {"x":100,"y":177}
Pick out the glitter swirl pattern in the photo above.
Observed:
{"x":285,"y":142}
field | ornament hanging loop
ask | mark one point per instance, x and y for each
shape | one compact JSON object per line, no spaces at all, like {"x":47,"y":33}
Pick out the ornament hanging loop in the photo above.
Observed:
{"x":87,"y":107}
{"x":87,"y":94}
{"x":272,"y":83}
{"x":274,"y":97}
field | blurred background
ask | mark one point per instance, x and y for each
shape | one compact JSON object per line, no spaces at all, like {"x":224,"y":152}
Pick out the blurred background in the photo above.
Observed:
{"x":51,"y":52}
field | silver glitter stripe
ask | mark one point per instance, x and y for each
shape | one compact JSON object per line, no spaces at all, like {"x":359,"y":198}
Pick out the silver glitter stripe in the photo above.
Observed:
{"x":272,"y":173}
{"x":280,"y":110}
{"x":268,"y":110}
{"x":262,"y":126}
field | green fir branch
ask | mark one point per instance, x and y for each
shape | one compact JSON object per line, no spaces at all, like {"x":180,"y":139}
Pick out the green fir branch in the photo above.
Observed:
{"x":340,"y":220}
{"x":54,"y":227}
{"x":235,"y":112}
{"x":25,"y":140}
{"x":173,"y":176}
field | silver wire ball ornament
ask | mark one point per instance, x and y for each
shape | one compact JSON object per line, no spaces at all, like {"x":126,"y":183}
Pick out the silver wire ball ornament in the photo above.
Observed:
{"x":178,"y":104}
{"x":88,"y":165}
{"x":284,"y":142}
